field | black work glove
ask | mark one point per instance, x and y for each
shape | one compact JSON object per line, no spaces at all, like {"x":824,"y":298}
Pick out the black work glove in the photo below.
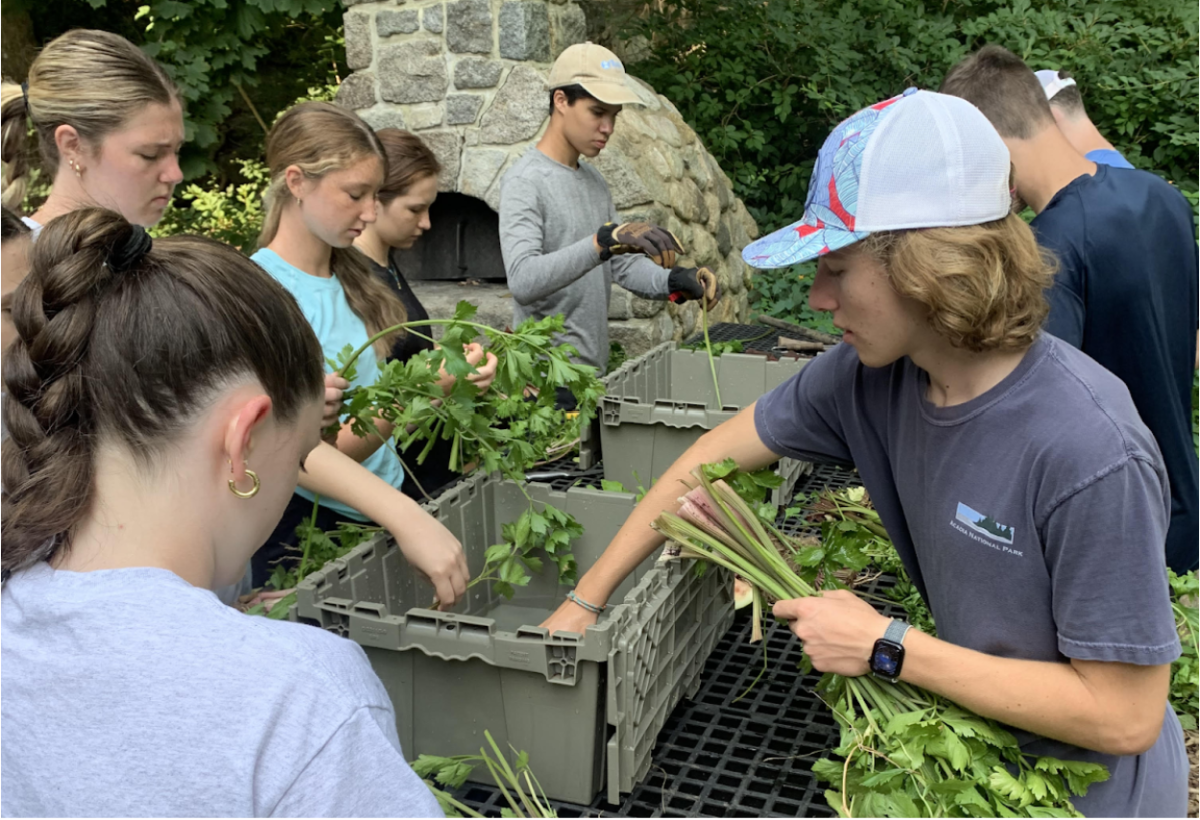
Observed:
{"x":686,"y":284}
{"x":638,"y":237}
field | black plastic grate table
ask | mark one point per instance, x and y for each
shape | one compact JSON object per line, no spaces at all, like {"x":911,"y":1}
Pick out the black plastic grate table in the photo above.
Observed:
{"x":755,"y":337}
{"x":725,"y":753}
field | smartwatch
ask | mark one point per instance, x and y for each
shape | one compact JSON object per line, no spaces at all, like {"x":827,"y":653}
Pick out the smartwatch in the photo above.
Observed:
{"x":887,"y":656}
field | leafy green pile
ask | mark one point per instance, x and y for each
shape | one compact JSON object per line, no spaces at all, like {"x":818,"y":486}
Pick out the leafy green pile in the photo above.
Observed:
{"x":507,"y":429}
{"x":508,"y":564}
{"x":853,"y":536}
{"x":517,"y":783}
{"x":1185,"y":672}
{"x":905,"y":752}
{"x":317,"y":548}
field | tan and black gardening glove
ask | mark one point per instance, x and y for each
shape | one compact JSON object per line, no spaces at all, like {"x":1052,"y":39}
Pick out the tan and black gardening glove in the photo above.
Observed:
{"x":686,"y":284}
{"x":638,"y":237}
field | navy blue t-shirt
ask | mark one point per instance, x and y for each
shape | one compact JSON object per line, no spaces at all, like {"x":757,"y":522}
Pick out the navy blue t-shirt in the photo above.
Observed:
{"x":1031,"y":519}
{"x":1126,"y":295}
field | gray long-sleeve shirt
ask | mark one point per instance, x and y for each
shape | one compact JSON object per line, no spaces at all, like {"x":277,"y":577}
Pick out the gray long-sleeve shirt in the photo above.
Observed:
{"x":548,"y":216}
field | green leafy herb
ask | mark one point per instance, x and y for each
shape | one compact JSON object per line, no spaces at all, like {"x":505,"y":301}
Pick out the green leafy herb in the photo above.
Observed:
{"x":518,"y":784}
{"x":904,"y":752}
{"x":507,"y":429}
{"x":1185,"y":672}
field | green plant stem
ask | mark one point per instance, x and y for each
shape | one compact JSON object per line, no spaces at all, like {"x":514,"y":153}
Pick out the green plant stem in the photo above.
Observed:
{"x":425,"y":323}
{"x":308,"y":541}
{"x":712,"y":365}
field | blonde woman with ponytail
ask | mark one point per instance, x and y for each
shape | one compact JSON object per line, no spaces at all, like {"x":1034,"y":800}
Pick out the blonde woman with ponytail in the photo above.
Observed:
{"x":109,"y":126}
{"x":326,"y":167}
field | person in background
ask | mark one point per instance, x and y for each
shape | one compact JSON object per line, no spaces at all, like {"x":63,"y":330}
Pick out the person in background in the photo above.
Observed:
{"x":559,"y":235}
{"x":109,"y":125}
{"x":14,"y":265}
{"x":1066,"y":104}
{"x":326,"y":166}
{"x":955,"y":407}
{"x":162,"y":399}
{"x":401,"y":216}
{"x":1127,"y":287}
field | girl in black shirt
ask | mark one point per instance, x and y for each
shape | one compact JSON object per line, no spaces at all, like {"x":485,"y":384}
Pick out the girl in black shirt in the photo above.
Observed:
{"x":402,"y":216}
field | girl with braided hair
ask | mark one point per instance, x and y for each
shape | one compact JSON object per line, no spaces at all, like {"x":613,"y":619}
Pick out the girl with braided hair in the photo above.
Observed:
{"x":162,"y":400}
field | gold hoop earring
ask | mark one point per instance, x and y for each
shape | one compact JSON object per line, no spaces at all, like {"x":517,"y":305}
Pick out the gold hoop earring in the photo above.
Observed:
{"x":250,"y":493}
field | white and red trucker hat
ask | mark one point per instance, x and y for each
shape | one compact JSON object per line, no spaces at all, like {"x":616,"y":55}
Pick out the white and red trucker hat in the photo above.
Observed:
{"x":918,"y":160}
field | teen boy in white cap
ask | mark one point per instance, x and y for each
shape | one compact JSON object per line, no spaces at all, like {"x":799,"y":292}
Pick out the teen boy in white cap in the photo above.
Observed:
{"x":954,"y":407}
{"x":559,"y":235}
{"x":1066,"y":103}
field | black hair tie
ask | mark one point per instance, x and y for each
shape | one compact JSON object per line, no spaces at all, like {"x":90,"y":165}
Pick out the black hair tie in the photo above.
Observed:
{"x":130,"y":252}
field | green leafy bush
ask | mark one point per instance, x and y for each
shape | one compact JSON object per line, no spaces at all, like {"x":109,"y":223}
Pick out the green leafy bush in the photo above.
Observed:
{"x":216,"y":49}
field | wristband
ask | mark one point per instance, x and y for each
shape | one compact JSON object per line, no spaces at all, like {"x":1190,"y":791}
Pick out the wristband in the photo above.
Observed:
{"x":595,"y":610}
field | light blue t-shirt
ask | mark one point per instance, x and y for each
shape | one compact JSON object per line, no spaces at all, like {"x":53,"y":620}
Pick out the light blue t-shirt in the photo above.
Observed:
{"x":323,"y":302}
{"x":132,"y":693}
{"x":1108,"y":156}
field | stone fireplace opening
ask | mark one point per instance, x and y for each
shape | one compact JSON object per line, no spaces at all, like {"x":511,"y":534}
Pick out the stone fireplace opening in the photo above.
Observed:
{"x":462,"y":243}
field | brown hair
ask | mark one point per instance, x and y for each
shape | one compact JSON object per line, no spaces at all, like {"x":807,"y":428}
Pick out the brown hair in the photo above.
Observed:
{"x":94,"y":81}
{"x":319,"y":138}
{"x":125,"y":346}
{"x":408,"y":160}
{"x":1068,"y":100}
{"x":999,"y":84}
{"x":984,"y":285}
{"x":13,"y":227}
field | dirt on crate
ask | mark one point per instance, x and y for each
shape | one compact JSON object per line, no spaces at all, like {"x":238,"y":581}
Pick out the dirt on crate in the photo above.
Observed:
{"x":1192,"y":740}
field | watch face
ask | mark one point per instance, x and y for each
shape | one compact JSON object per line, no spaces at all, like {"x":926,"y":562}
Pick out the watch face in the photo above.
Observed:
{"x":886,"y":659}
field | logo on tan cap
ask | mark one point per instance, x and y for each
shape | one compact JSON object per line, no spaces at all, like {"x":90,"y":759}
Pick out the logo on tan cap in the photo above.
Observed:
{"x":597,"y":70}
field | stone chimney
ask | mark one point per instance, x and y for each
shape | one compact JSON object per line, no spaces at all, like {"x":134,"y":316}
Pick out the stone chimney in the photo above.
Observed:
{"x":469,"y":78}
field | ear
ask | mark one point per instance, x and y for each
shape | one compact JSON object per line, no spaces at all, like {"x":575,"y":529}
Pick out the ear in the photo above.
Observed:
{"x":239,"y":433}
{"x":68,"y":142}
{"x":296,"y":181}
{"x":561,"y":104}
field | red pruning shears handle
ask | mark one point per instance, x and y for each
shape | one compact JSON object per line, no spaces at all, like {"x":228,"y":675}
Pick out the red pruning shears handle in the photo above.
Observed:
{"x":677,"y":296}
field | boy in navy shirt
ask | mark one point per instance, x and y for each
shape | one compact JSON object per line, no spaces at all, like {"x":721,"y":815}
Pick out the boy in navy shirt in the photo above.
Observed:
{"x":1126,"y":289}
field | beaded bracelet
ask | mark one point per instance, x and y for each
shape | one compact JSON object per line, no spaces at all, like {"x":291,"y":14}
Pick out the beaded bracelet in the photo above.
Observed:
{"x":571,"y":596}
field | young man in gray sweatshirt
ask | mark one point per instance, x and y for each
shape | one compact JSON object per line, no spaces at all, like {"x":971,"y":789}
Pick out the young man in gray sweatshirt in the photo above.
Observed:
{"x":562,"y":245}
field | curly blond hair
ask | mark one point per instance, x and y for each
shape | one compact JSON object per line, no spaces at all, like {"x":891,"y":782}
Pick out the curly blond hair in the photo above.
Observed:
{"x":983,"y":285}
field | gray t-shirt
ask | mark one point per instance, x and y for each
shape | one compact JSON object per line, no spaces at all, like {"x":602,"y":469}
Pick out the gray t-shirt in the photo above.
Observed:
{"x":1032,"y":519}
{"x":548,"y":216}
{"x":132,"y":693}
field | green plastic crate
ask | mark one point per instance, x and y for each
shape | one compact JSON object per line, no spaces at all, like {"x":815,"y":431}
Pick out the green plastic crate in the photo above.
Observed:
{"x":586,"y":708}
{"x":658,"y":405}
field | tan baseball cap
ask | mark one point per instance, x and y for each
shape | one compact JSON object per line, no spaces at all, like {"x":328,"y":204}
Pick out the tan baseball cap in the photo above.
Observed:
{"x":598,"y":70}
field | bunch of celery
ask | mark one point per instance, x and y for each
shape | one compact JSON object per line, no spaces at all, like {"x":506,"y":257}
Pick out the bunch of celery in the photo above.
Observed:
{"x":905,"y":752}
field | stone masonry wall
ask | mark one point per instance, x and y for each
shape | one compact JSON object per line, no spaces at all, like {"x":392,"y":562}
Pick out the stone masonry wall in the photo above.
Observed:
{"x":469,"y":77}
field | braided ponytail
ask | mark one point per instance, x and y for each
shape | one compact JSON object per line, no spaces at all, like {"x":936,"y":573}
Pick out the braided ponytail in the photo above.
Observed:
{"x":47,"y":460}
{"x":123,"y":344}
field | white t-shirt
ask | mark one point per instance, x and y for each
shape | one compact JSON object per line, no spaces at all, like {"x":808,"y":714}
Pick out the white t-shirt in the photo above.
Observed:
{"x":132,"y":693}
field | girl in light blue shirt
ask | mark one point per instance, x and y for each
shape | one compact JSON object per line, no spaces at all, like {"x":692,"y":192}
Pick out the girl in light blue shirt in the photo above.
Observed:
{"x":326,"y":167}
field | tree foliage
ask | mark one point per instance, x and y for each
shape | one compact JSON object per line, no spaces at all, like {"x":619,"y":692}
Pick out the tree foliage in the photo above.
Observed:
{"x":764,"y":83}
{"x":216,"y":51}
